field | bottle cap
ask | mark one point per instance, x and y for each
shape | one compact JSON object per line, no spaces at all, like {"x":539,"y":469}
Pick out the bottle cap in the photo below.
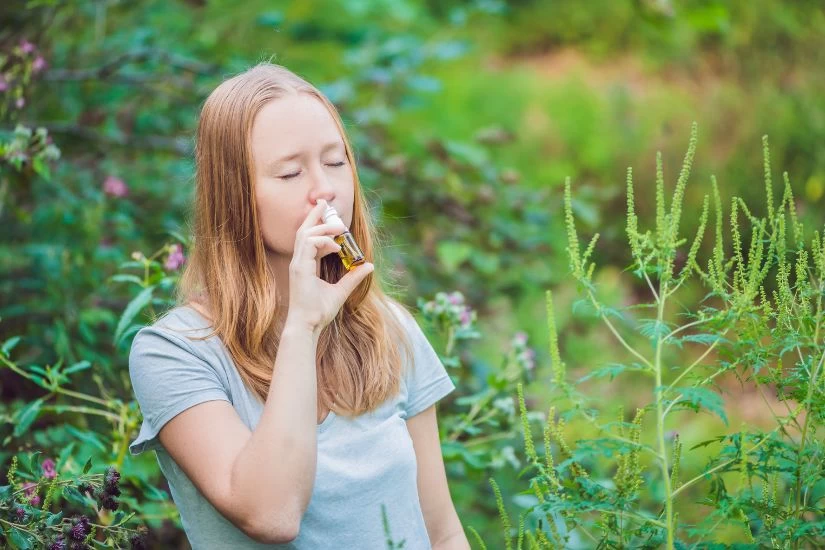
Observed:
{"x":331,"y":216}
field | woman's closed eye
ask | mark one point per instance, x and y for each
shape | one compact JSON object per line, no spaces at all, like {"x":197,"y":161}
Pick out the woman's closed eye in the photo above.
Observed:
{"x":298,"y":173}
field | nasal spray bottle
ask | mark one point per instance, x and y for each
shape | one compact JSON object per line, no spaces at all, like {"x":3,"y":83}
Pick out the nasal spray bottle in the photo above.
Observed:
{"x":350,"y":254}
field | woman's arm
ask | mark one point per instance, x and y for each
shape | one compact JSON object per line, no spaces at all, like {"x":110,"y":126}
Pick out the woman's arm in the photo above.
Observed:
{"x":262,"y":480}
{"x":443,"y":525}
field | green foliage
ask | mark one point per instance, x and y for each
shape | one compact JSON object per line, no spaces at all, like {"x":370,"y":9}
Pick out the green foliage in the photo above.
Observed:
{"x":463,"y":115}
{"x":736,"y":320}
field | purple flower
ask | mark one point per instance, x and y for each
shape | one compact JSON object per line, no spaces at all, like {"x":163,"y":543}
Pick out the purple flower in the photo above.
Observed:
{"x":520,"y":339}
{"x":20,"y":103}
{"x":30,"y":489}
{"x":58,"y":544}
{"x":115,"y":187}
{"x":48,"y":468}
{"x":455,"y":298}
{"x":39,"y":64}
{"x":465,"y":318}
{"x":20,"y":514}
{"x":80,"y":529}
{"x":26,"y":47}
{"x":175,"y":258}
{"x":4,"y":85}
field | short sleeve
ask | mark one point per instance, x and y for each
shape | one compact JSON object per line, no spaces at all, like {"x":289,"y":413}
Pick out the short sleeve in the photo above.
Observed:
{"x":168,"y":377}
{"x":427,"y":380}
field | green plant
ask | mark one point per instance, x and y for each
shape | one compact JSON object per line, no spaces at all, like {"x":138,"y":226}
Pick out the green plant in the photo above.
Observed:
{"x":763,"y":316}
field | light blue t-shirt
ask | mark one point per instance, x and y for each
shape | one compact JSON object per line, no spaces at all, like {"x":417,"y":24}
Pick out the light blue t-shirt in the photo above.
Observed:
{"x":362,"y":463}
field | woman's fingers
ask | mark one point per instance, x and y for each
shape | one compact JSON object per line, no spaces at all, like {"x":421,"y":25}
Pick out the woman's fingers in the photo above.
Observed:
{"x":354,"y":277}
{"x":312,"y":249}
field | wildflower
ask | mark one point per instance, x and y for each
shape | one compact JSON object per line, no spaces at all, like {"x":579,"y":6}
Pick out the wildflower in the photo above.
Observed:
{"x":80,"y":528}
{"x":175,"y":258}
{"x":20,"y":514}
{"x":115,"y":187}
{"x":26,"y":47}
{"x":138,"y":256}
{"x":110,"y":490}
{"x":58,"y":544}
{"x":48,"y":469}
{"x":39,"y":64}
{"x":20,"y":103}
{"x":111,"y":479}
{"x":4,"y":85}
{"x":138,"y":541}
{"x":525,"y":356}
{"x":31,"y":492}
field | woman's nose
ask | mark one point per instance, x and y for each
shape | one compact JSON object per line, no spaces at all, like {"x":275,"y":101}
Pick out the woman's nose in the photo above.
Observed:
{"x":322,"y":187}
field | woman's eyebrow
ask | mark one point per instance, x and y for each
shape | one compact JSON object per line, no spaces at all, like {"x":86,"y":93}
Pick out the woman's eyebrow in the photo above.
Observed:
{"x":293,"y":156}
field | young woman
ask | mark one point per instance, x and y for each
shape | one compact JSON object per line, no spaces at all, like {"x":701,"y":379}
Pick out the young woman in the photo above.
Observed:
{"x":289,"y":400}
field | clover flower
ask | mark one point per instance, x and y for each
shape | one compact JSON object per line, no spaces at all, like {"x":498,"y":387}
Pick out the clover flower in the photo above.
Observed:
{"x":48,"y":469}
{"x":80,"y":528}
{"x":110,"y":490}
{"x":115,"y":187}
{"x":450,"y":309}
{"x":175,"y":258}
{"x":26,"y":47}
{"x":525,"y":356}
{"x":39,"y":64}
{"x":30,"y":489}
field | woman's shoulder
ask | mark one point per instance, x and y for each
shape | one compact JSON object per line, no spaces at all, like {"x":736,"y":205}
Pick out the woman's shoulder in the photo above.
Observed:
{"x":182,"y":326}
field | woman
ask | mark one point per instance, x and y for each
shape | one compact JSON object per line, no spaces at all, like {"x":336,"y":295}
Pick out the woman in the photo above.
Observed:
{"x":289,"y":401}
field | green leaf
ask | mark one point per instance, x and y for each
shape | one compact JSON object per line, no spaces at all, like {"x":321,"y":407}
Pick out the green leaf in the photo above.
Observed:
{"x":708,"y":442}
{"x":25,"y":417}
{"x":87,"y":466}
{"x":126,"y":278}
{"x":20,"y":539}
{"x":54,"y":519}
{"x":704,"y":398}
{"x":135,"y":306}
{"x":486,"y":263}
{"x":452,"y":254}
{"x":457,"y":451}
{"x":612,"y":371}
{"x":9,"y":344}
{"x":79,"y":366}
{"x":87,"y":436}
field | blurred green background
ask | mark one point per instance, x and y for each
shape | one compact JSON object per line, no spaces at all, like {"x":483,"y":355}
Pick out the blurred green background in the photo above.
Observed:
{"x":466,"y":117}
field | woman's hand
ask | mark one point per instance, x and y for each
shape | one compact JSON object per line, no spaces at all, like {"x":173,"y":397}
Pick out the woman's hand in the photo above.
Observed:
{"x":314,"y":302}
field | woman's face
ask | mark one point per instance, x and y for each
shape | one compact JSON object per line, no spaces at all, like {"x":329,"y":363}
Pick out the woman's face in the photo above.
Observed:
{"x":299,"y":158}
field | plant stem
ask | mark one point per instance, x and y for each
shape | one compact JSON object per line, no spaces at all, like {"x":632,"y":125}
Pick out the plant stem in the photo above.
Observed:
{"x":660,"y":424}
{"x":799,"y":455}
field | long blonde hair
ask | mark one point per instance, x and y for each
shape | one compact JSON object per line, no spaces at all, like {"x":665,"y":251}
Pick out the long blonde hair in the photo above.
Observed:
{"x":360,"y":353}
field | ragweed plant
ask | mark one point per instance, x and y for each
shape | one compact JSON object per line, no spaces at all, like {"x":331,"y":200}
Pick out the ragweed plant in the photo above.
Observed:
{"x":761,"y":320}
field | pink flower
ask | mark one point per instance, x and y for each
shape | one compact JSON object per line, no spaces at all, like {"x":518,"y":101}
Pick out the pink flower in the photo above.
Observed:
{"x":115,"y":187}
{"x":175,"y":258}
{"x":3,"y":84}
{"x":20,"y":102}
{"x":465,"y":318}
{"x":39,"y":64}
{"x":456,"y":298}
{"x":31,"y":491}
{"x":26,"y":46}
{"x":48,"y":468}
{"x":520,"y":339}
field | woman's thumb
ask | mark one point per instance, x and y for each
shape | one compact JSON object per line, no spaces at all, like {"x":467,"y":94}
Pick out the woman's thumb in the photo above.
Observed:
{"x":354,"y":277}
